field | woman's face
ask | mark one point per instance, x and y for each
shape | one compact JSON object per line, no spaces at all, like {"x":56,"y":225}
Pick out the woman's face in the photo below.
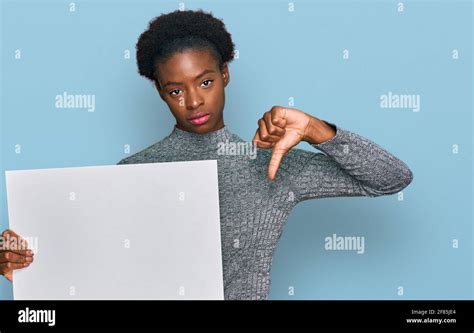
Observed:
{"x":192,"y":85}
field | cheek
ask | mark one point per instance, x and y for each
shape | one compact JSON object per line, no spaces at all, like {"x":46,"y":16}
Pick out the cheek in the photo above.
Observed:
{"x":177,"y":107}
{"x":218,"y":94}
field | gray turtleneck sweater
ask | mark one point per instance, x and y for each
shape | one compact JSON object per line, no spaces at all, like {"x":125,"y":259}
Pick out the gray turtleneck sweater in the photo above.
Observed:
{"x":254,"y":209}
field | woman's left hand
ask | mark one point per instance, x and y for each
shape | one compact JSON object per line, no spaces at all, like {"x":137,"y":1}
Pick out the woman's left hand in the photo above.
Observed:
{"x":282,"y":128}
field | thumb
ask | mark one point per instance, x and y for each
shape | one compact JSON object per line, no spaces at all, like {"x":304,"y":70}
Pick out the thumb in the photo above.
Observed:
{"x":277,"y":156}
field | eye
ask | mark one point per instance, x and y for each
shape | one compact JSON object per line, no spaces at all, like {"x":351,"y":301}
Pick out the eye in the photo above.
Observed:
{"x":172,"y":92}
{"x":207,"y":85}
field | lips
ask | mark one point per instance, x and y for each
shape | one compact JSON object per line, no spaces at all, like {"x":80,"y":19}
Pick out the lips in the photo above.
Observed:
{"x":198,"y":115}
{"x":199,"y":118}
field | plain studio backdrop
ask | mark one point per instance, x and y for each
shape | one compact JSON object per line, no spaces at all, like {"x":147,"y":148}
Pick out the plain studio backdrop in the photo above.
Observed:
{"x":336,"y":60}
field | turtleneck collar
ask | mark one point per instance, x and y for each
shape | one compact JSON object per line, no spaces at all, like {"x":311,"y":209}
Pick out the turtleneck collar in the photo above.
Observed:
{"x":206,"y":139}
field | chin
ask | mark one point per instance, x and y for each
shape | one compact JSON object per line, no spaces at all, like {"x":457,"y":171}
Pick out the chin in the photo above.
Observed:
{"x":203,"y":128}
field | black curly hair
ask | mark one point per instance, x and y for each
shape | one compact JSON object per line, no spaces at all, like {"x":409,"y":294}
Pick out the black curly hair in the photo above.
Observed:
{"x":179,"y":30}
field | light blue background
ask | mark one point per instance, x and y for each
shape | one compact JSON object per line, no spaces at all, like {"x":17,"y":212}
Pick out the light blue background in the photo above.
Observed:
{"x":282,"y":54}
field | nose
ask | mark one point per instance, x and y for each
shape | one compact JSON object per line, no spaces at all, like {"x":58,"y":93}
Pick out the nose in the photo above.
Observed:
{"x":194,"y":100}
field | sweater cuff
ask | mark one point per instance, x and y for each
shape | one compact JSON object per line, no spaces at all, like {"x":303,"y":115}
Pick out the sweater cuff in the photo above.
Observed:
{"x":334,"y":142}
{"x":343,"y":142}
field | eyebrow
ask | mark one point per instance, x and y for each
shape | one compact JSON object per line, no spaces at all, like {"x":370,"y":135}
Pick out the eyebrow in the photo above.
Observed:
{"x":169,"y":83}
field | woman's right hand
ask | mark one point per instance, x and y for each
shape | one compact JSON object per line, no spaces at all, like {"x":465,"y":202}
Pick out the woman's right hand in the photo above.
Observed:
{"x":10,"y":259}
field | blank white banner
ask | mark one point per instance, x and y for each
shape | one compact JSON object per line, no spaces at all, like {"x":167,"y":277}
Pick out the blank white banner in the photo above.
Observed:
{"x":140,"y":231}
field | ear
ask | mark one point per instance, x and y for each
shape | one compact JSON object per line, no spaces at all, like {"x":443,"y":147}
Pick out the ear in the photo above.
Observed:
{"x":225,"y":74}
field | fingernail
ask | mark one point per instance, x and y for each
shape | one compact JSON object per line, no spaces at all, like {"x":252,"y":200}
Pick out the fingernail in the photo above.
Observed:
{"x":26,"y":264}
{"x":29,"y":259}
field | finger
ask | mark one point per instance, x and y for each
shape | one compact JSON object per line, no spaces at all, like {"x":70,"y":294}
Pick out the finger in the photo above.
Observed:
{"x":25,"y":253}
{"x":264,"y":135}
{"x":261,"y":144}
{"x":8,"y":266}
{"x":278,"y":116}
{"x":10,"y":232}
{"x":277,"y":156}
{"x":21,"y":243}
{"x":272,"y":128}
{"x":9,"y":276}
{"x":13,"y":257}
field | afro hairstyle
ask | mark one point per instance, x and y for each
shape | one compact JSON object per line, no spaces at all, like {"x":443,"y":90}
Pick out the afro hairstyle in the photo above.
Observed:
{"x":180,"y":30}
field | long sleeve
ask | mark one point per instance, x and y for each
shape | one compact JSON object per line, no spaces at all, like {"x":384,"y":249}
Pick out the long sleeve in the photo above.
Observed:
{"x":351,"y":166}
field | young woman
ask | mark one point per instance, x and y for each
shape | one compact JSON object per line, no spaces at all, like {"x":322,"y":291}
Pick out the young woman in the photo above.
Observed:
{"x":186,"y":55}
